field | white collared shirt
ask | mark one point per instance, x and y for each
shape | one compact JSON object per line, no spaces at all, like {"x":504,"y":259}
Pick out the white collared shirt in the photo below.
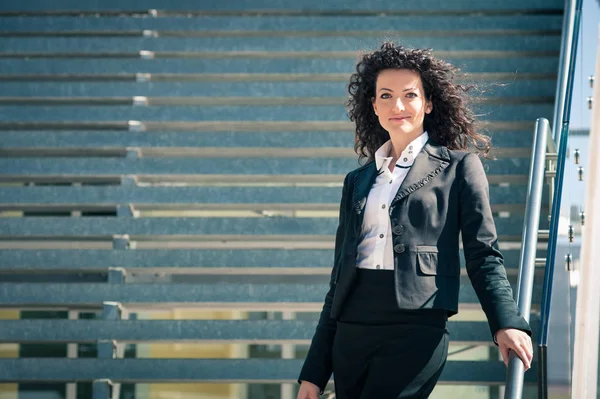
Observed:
{"x":375,"y":248}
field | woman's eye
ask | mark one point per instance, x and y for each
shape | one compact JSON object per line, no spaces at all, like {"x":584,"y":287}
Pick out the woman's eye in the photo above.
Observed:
{"x":411,"y":95}
{"x":385,"y":95}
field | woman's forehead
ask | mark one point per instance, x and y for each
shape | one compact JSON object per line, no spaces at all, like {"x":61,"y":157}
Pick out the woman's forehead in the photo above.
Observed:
{"x":399,"y":79}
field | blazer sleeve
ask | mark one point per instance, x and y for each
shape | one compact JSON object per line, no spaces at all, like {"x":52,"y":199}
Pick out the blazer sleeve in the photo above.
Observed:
{"x":317,"y":367}
{"x":484,"y":261}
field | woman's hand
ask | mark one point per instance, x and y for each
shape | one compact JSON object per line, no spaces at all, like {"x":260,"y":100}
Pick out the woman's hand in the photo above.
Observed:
{"x":518,"y":341}
{"x":308,"y":390}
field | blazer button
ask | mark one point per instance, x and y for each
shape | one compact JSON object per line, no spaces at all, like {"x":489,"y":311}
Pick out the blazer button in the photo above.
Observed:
{"x":399,"y":229}
{"x":399,"y":248}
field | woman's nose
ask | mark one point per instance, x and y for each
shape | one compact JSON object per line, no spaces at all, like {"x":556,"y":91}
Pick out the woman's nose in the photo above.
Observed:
{"x":398,"y":105}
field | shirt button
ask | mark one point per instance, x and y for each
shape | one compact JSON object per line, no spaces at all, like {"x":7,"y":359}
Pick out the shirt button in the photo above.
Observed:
{"x":391,"y":181}
{"x":377,"y":266}
{"x":383,"y":206}
{"x":380,"y":235}
{"x":405,"y":159}
{"x":398,"y":229}
{"x":399,"y":248}
{"x":410,"y":147}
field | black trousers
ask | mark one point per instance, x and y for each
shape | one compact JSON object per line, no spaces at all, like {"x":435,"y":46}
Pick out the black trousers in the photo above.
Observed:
{"x":382,"y":352}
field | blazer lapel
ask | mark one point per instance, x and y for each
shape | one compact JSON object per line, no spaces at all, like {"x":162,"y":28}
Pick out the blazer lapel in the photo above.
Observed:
{"x":363,"y":180}
{"x":428,"y":163}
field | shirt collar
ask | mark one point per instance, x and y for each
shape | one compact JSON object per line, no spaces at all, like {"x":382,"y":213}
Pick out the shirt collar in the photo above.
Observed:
{"x":407,"y":157}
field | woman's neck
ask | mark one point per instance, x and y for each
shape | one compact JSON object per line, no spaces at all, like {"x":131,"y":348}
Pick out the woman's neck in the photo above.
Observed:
{"x":399,"y":144}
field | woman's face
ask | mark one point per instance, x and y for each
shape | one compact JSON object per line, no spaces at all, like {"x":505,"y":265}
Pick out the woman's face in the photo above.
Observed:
{"x":400,"y":102}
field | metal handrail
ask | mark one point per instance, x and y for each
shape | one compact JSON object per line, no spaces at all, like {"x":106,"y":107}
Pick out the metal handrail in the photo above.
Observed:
{"x":545,"y":144}
{"x":514,"y":383}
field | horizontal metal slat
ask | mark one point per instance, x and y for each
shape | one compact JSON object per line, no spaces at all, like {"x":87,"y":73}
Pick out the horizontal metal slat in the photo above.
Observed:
{"x":197,"y":197}
{"x":247,"y":227}
{"x":212,"y":370}
{"x":274,"y":24}
{"x":225,"y":101}
{"x":210,"y":210}
{"x":243,"y":43}
{"x":238,"y":166}
{"x":167,"y":77}
{"x":199,"y":139}
{"x":186,"y":260}
{"x":300,"y":5}
{"x":145,"y":54}
{"x":245,"y":86}
{"x":234,"y":113}
{"x":223,"y":126}
{"x":523,"y":64}
{"x":375,"y":33}
{"x":152,"y":296}
{"x":214,"y":152}
{"x":281,"y":180}
{"x":202,"y":331}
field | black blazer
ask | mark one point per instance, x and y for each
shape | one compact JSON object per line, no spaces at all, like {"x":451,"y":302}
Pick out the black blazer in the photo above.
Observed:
{"x":444,"y":193}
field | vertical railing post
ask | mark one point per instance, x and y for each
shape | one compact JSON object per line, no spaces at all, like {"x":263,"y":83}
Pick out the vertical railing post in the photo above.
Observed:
{"x":567,"y":76}
{"x":568,"y":32}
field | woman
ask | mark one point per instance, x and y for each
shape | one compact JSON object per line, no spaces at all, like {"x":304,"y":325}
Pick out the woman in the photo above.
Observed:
{"x":396,"y":271}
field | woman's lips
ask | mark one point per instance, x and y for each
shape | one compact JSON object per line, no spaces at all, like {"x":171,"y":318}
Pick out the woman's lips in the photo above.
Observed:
{"x":399,"y":119}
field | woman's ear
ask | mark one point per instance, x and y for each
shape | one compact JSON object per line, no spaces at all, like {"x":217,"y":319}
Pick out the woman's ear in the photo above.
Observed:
{"x":374,"y":105}
{"x":428,"y":107}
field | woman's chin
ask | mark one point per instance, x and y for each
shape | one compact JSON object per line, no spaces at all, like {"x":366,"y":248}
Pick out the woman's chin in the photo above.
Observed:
{"x":402,"y":129}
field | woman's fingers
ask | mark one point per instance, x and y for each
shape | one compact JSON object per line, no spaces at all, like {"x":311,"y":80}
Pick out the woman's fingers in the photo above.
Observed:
{"x":308,"y":395}
{"x":529,"y":351}
{"x":521,"y":350}
{"x":311,"y":395}
{"x":504,"y":352}
{"x":522,"y":354}
{"x":518,"y":341}
{"x":308,"y":391}
{"x":525,"y":351}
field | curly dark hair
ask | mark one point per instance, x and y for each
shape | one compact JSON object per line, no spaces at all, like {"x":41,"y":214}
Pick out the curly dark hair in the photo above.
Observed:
{"x":451,"y":122}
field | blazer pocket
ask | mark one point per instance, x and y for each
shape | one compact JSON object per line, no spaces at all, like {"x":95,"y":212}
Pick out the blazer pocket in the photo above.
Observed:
{"x":429,"y":265}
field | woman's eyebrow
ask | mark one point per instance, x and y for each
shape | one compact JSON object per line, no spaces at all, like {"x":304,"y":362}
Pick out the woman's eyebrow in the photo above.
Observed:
{"x":409,"y":89}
